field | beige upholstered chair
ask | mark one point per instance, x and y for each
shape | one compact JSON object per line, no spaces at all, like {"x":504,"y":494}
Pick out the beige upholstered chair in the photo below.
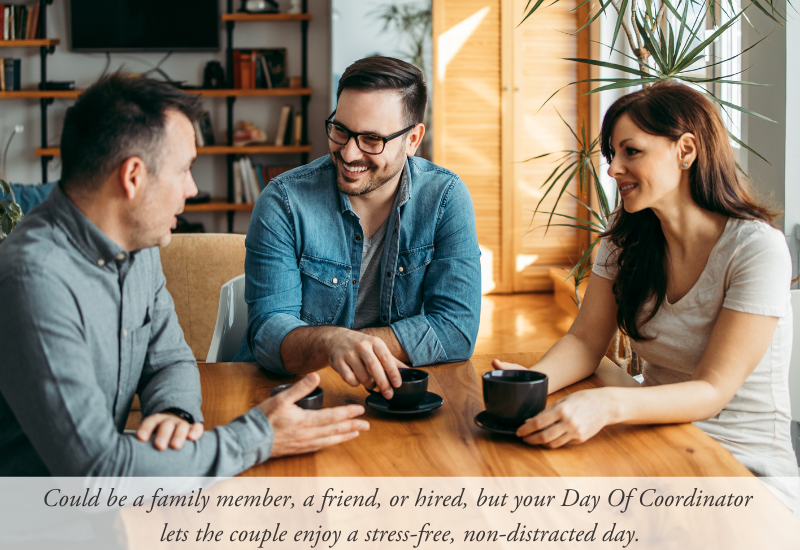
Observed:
{"x":196,"y":266}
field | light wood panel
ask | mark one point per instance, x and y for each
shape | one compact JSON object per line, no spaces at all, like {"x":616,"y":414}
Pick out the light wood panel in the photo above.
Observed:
{"x":467,"y":123}
{"x":492,"y":76}
{"x":448,"y":443}
{"x":538,"y":71}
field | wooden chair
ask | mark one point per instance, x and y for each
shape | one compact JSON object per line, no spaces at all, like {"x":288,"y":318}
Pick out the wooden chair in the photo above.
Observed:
{"x":196,"y":266}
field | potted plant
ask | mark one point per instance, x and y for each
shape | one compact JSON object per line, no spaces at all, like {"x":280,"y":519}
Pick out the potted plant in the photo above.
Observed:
{"x":10,"y":212}
{"x":662,"y":49}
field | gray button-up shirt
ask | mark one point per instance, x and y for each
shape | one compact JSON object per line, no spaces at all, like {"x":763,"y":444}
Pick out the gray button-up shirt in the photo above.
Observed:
{"x":84,"y":326}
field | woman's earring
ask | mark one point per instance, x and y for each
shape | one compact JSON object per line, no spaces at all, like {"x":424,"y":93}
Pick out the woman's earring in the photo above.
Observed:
{"x":685,"y":165}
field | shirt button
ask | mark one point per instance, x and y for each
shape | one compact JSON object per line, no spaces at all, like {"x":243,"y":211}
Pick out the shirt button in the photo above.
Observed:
{"x":400,"y":269}
{"x":388,"y":273}
{"x":335,"y":280}
{"x":352,"y":214}
{"x":358,"y":237}
{"x":101,"y":262}
{"x":125,"y":333}
{"x":354,"y":281}
{"x":121,"y":256}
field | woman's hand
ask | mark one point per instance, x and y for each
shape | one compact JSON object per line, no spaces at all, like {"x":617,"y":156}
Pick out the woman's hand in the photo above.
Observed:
{"x":573,"y":419}
{"x":502,"y":365}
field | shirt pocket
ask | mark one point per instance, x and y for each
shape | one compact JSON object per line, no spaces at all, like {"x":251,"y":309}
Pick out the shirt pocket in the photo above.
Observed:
{"x":324,"y":289}
{"x":409,"y":277}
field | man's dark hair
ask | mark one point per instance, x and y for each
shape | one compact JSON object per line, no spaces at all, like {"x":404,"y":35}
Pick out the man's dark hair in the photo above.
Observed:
{"x":118,"y":117}
{"x":388,"y":73}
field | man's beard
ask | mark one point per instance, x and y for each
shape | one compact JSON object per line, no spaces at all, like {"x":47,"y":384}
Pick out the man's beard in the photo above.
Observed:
{"x":374,"y":180}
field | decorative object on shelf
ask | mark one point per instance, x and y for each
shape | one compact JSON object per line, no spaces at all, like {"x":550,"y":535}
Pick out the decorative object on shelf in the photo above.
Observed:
{"x":53,"y":85}
{"x":296,"y":6}
{"x":259,"y":6}
{"x":213,"y":75}
{"x":184,"y":226}
{"x":295,"y":81}
{"x":18,"y":129}
{"x":200,"y":198}
{"x":247,"y":133}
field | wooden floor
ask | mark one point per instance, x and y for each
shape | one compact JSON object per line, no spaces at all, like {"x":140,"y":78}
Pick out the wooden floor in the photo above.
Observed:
{"x":520,"y":322}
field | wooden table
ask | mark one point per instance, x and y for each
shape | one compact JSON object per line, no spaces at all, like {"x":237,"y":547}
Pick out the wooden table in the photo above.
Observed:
{"x":448,"y":443}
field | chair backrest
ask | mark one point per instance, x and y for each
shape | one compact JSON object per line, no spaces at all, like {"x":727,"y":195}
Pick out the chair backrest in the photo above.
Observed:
{"x":794,"y":364}
{"x":196,"y":265}
{"x":231,"y":322}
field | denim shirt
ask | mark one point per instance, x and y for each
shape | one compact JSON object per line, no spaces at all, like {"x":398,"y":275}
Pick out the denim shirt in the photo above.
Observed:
{"x":303,"y":261}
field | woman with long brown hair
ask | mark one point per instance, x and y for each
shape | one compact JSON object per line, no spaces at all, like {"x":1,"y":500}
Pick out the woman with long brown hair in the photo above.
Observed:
{"x":692,"y":269}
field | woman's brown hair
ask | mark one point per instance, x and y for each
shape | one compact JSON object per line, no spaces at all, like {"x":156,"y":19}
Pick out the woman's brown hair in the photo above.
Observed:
{"x":670,"y":110}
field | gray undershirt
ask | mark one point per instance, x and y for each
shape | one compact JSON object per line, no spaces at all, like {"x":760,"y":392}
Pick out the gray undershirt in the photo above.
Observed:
{"x":368,"y":301}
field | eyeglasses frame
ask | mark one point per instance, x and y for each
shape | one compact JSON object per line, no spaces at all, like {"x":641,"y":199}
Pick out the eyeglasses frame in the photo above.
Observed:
{"x":354,"y":135}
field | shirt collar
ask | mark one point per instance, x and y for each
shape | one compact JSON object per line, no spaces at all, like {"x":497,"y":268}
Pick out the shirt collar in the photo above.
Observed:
{"x":403,"y":193}
{"x":85,"y":235}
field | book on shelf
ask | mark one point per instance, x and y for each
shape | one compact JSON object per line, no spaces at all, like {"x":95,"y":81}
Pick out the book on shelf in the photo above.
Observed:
{"x":206,"y":129}
{"x":198,"y":134}
{"x":11,"y":73}
{"x":260,"y":69}
{"x":237,"y":185}
{"x":298,"y":129}
{"x":19,"y":22}
{"x":249,"y":179}
{"x":283,"y":125}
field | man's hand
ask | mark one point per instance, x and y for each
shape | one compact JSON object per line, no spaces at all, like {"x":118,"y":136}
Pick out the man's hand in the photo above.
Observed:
{"x":363,"y":359}
{"x":170,"y":430}
{"x":300,"y":431}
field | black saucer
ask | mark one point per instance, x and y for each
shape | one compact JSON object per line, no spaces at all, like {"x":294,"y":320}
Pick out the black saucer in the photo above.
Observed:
{"x":430,"y":402}
{"x":489,"y":423}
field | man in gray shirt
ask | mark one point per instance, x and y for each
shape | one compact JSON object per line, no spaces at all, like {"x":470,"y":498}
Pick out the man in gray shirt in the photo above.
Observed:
{"x":87,"y":322}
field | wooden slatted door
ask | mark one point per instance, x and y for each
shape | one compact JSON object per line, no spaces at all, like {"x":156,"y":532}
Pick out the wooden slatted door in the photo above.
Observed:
{"x":539,"y":47}
{"x":490,"y":79}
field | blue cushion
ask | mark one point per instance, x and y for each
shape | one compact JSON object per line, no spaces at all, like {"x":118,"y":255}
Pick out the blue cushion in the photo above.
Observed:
{"x":29,"y":196}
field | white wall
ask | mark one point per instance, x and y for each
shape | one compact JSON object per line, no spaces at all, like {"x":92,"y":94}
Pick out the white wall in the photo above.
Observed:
{"x":209,"y":170}
{"x":355,"y":34}
{"x":776,"y":61}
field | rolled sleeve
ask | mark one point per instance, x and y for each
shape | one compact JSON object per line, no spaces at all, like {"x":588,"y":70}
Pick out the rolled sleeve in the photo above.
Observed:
{"x":419,"y":340}
{"x":268,"y":340}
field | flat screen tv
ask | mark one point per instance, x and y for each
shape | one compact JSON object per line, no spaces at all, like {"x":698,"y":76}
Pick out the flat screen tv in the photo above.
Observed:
{"x":144,"y":25}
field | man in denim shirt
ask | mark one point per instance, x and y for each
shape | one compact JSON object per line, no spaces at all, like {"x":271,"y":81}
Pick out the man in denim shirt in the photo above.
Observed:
{"x":368,"y":258}
{"x":87,"y":322}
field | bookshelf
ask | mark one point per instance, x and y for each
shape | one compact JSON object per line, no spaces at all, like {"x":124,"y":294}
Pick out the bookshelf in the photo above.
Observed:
{"x":31,"y":43}
{"x":230,"y":94}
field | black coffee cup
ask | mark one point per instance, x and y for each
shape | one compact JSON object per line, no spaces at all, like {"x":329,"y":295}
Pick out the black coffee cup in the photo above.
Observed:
{"x":312,"y":401}
{"x":513,"y":396}
{"x":411,"y":391}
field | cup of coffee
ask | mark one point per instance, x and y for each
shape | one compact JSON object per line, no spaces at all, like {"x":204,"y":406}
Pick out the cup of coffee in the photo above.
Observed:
{"x":513,"y":396}
{"x":411,"y":391}
{"x":312,"y":401}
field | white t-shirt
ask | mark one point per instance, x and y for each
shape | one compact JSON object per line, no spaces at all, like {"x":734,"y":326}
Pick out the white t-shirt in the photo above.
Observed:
{"x":748,"y":270}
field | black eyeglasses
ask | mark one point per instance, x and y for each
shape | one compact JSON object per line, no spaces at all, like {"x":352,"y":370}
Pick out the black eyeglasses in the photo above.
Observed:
{"x":370,"y":144}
